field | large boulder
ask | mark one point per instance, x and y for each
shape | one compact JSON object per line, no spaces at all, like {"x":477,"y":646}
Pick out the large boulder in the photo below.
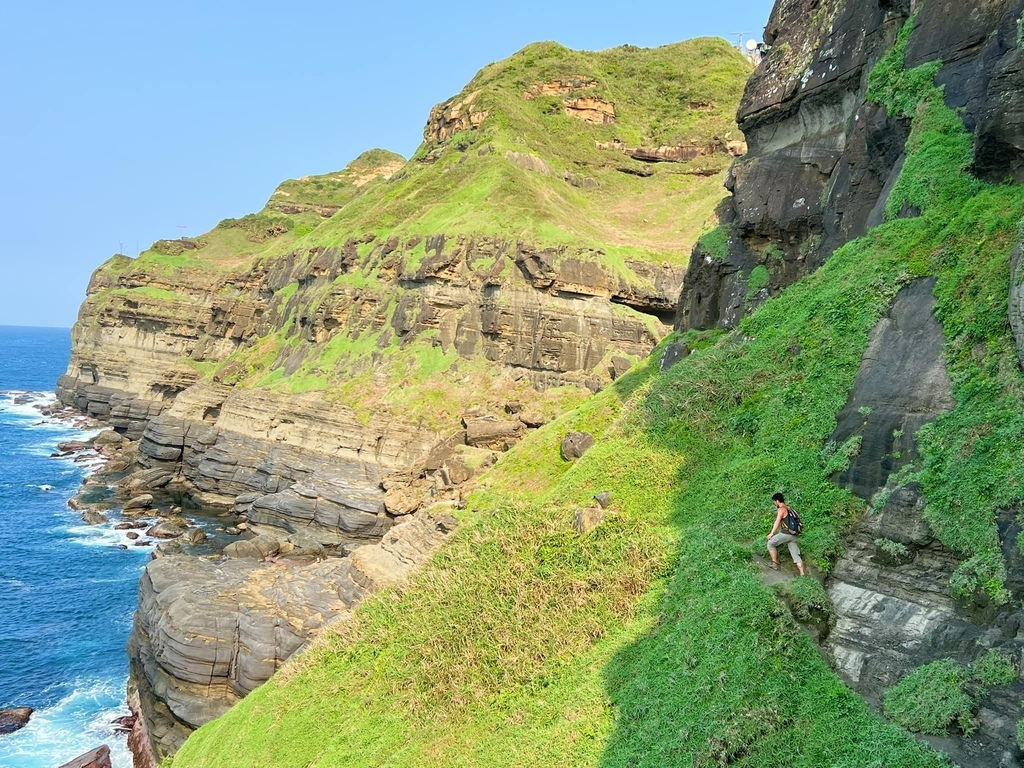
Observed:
{"x":142,"y":501}
{"x":492,"y":432}
{"x":14,"y":719}
{"x":257,"y":547}
{"x":167,"y":529}
{"x":575,"y":444}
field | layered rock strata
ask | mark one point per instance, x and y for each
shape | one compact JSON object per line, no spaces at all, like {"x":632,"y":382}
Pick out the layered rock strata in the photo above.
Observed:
{"x":891,"y":586}
{"x":303,"y":472}
{"x":544,"y":311}
{"x":822,"y":160}
{"x":209,"y":631}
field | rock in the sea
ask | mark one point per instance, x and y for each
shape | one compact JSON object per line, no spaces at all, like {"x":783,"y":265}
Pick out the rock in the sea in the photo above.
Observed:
{"x":193,"y":535}
{"x":587,"y":519}
{"x":94,"y":517}
{"x":14,"y":719}
{"x":576,"y":444}
{"x":143,"y":501}
{"x":96,"y":758}
{"x":108,"y":438}
{"x":167,"y":529}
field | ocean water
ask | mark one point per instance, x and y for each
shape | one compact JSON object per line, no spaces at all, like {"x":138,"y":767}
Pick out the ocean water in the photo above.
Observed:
{"x":67,"y":591}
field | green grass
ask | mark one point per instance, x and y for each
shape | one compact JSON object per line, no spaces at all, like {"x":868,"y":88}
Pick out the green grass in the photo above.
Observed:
{"x":931,"y":699}
{"x":945,"y":694}
{"x":994,"y":668}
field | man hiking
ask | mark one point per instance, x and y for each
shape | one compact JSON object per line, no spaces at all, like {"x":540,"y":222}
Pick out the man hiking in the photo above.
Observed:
{"x":788,"y":527}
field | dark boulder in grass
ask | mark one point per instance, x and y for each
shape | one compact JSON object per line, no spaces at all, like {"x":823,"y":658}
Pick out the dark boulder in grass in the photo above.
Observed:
{"x":14,"y":719}
{"x":587,"y":519}
{"x":575,"y":444}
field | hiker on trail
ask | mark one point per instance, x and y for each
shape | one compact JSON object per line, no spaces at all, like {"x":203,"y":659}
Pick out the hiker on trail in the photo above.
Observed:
{"x":788,"y":527}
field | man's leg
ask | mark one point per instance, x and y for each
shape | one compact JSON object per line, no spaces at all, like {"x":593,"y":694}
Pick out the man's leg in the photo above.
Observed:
{"x":794,"y":550}
{"x":773,"y":550}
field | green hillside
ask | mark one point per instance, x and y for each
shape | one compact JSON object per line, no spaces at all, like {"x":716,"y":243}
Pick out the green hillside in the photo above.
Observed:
{"x":504,"y":162}
{"x":652,"y":641}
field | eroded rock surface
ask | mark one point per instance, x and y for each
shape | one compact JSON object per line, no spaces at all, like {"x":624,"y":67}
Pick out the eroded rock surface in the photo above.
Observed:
{"x":96,"y":758}
{"x":902,"y":384}
{"x":891,"y":586}
{"x":209,"y":631}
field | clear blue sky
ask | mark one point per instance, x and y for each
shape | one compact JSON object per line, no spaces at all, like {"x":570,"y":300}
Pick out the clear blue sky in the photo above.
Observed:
{"x":121,"y":121}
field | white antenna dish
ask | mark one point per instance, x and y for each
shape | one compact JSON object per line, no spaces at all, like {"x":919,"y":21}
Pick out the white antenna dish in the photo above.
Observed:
{"x":751,"y":45}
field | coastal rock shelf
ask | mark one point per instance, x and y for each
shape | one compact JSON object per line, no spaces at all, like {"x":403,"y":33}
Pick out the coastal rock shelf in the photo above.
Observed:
{"x":207,"y":632}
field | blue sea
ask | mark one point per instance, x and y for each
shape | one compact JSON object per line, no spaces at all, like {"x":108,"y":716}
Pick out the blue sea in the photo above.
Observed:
{"x":67,"y":592}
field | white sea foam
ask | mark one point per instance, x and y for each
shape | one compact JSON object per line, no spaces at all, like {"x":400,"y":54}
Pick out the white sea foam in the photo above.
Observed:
{"x":103,"y":535}
{"x":81,"y":721}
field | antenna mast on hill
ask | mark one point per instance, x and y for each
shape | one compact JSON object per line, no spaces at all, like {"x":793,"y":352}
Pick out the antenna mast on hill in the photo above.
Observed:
{"x":181,"y":231}
{"x":739,"y":40}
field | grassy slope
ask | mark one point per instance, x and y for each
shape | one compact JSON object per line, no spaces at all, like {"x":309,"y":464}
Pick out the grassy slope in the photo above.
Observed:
{"x":652,"y":641}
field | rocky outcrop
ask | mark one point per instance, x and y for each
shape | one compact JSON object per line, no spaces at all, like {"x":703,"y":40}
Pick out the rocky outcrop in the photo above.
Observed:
{"x":902,"y":384}
{"x":895,"y":613}
{"x":454,"y":116}
{"x":96,"y":758}
{"x":891,"y":586}
{"x":590,"y":109}
{"x":14,"y":719}
{"x":207,"y":632}
{"x":821,"y":159}
{"x":1016,"y":304}
{"x":818,"y":158}
{"x":563,"y":86}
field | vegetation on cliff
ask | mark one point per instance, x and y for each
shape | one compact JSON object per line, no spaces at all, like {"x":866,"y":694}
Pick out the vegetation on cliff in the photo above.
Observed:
{"x":607,"y":164}
{"x":652,"y":641}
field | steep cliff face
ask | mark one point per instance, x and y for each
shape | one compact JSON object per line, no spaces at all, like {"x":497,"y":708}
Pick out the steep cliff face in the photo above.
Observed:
{"x":823,"y":158}
{"x":326,"y":369}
